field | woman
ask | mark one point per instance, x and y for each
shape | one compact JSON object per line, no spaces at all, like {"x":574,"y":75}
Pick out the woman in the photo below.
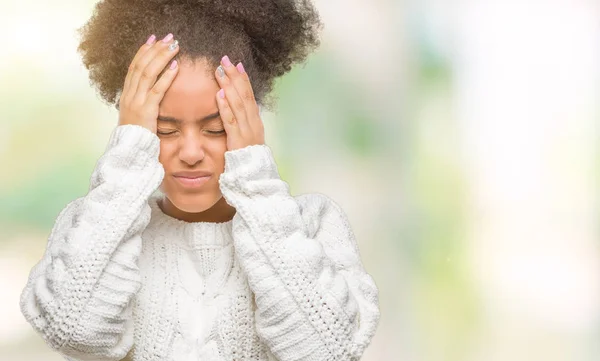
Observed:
{"x":188,"y":245}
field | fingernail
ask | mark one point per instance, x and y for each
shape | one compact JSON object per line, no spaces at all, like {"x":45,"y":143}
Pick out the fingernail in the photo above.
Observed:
{"x":240,"y":67}
{"x":173,"y":64}
{"x":173,"y":45}
{"x":226,"y":61}
{"x":221,"y":93}
{"x":167,"y":38}
{"x":220,"y":71}
{"x":151,"y":39}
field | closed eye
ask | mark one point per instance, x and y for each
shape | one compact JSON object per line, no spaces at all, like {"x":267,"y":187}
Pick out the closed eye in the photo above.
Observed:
{"x":163,"y":133}
{"x":209,"y":131}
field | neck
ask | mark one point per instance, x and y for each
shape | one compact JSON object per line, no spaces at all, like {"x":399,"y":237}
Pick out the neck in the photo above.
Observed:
{"x":218,"y":213}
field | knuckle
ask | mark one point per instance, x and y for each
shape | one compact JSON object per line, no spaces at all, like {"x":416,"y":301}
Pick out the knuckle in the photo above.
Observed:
{"x":137,"y":66}
{"x":147,"y":73}
{"x":239,"y":104}
{"x":156,"y":90}
{"x":247,"y":95}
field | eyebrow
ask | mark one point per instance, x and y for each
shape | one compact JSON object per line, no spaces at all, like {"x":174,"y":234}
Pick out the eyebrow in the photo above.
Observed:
{"x":176,"y":121}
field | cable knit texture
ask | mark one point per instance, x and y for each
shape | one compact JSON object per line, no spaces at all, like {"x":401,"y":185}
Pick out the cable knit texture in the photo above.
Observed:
{"x":121,"y":280}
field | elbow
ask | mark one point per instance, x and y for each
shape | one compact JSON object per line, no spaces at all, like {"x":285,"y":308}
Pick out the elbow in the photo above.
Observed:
{"x":104,"y":332}
{"x":367,"y":320}
{"x":357,"y":297}
{"x":92,"y":337}
{"x":43,"y":315}
{"x":111,"y":344}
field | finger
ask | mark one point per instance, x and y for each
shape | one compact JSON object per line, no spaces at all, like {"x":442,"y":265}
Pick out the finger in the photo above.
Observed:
{"x":159,"y":89}
{"x":241,"y":81}
{"x":135,"y":70}
{"x":141,"y":51}
{"x":227,"y":117}
{"x":234,"y":101}
{"x":244,"y":87}
{"x":161,"y":59}
{"x":141,"y":70}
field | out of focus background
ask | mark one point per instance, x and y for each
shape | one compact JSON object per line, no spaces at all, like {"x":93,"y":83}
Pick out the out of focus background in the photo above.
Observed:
{"x":460,"y":137}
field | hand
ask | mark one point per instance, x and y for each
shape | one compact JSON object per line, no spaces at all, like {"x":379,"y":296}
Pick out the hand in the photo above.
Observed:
{"x":142,"y":94}
{"x":237,"y":106}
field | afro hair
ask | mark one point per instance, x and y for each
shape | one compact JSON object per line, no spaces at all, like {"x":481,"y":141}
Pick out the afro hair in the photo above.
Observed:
{"x":268,"y":36}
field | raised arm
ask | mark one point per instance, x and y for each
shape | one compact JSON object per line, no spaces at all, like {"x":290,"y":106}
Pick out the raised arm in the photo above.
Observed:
{"x":314,"y":299}
{"x":78,"y":296}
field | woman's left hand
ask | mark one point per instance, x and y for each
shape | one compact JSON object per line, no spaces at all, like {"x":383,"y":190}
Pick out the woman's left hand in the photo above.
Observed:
{"x":237,"y":106}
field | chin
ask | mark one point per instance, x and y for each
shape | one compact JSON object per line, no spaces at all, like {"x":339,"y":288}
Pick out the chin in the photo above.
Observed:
{"x":193,"y":202}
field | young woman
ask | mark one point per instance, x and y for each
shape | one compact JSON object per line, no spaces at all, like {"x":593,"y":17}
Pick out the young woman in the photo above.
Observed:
{"x":188,"y":245}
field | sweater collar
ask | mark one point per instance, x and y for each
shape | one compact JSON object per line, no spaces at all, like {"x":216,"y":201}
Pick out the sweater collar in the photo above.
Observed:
{"x":192,"y":234}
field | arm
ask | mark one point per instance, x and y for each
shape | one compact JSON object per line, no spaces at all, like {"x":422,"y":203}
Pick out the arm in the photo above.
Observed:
{"x":79,"y":295}
{"x":314,"y":299}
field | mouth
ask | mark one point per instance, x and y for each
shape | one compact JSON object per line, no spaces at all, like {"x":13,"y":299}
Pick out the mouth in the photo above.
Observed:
{"x":189,"y":182}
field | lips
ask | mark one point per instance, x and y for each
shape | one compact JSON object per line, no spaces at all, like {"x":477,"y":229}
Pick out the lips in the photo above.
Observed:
{"x":192,"y":174}
{"x":192,"y":182}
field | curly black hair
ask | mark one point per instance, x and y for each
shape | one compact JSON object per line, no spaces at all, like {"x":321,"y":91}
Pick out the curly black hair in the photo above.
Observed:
{"x":268,"y":36}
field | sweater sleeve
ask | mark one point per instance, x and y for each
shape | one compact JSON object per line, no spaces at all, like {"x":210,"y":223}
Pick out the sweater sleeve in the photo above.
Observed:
{"x":78,"y":297}
{"x":314,"y":299}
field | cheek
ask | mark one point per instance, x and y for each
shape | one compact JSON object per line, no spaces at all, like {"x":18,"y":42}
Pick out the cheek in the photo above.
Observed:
{"x":168,"y":156}
{"x":165,"y":151}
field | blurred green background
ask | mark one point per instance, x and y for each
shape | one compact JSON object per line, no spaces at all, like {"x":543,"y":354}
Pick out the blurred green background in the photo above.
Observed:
{"x":459,"y":137}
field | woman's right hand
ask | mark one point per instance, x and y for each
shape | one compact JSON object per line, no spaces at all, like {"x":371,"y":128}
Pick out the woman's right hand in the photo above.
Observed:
{"x":142,"y":93}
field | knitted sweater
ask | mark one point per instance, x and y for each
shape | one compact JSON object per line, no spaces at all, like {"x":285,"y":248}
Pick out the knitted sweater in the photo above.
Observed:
{"x":120,"y":279}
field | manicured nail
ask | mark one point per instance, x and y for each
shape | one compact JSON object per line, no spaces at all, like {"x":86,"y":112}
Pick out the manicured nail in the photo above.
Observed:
{"x":173,"y":64}
{"x":173,"y":45}
{"x":167,"y":38}
{"x":225,"y":60}
{"x":220,"y":71}
{"x":222,"y":93}
{"x":240,"y":67}
{"x":151,"y":39}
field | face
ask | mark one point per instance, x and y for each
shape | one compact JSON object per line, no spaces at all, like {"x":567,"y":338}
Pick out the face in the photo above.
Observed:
{"x":192,"y":138}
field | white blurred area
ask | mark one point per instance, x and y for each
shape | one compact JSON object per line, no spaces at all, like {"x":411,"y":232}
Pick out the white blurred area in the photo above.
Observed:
{"x":526,"y":78}
{"x":521,"y":126}
{"x":527,"y":86}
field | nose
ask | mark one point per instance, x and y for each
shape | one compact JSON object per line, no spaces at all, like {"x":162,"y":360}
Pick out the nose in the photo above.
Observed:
{"x":191,"y":149}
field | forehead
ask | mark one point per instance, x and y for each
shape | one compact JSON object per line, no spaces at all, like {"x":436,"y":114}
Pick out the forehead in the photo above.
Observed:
{"x":192,"y":92}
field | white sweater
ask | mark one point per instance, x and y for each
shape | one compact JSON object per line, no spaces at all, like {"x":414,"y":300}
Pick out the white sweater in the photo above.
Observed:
{"x":283,"y":280}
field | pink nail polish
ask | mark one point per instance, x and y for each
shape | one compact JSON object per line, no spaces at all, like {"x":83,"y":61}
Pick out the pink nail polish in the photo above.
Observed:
{"x":151,"y":39}
{"x":221,"y":93}
{"x":226,"y":61}
{"x":167,"y":38}
{"x":240,"y":67}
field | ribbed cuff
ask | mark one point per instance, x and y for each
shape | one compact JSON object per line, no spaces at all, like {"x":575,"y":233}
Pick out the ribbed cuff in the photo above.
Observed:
{"x":136,"y":137}
{"x":257,"y":158}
